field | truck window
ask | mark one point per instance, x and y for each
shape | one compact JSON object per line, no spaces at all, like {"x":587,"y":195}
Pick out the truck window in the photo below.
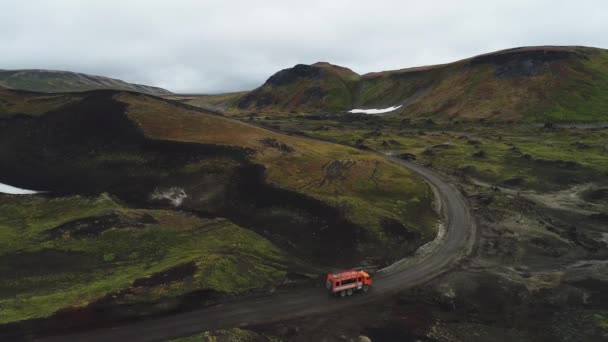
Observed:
{"x":348,"y":281}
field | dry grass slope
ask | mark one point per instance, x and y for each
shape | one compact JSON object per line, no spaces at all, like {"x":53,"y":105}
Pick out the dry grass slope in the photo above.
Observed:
{"x":365,"y":186}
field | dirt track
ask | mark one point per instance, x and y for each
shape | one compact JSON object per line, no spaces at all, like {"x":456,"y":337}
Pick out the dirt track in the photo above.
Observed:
{"x":436,"y":258}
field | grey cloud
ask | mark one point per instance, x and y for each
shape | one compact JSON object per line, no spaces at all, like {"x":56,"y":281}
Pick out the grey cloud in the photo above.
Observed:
{"x":216,"y":46}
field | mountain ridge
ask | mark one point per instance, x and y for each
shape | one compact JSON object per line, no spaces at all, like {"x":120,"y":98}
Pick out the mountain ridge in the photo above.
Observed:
{"x":58,"y":81}
{"x":523,"y":84}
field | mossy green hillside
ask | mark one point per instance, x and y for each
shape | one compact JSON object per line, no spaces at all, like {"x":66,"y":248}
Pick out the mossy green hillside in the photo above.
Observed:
{"x":366,"y":187}
{"x":45,"y":272}
{"x":320,"y":86}
{"x":126,"y":247}
{"x":25,"y":219}
{"x":530,"y":84}
{"x":537,"y":84}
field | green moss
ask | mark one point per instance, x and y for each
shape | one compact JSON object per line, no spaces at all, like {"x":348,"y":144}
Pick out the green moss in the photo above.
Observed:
{"x":24,"y":218}
{"x":584,"y":95}
{"x":545,"y":159}
{"x":601,"y":321}
{"x":228,"y":259}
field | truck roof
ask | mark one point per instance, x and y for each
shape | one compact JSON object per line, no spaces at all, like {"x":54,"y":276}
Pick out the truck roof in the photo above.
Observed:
{"x":348,"y":274}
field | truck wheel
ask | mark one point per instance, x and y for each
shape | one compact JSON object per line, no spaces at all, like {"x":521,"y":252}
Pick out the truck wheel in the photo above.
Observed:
{"x":349,"y":292}
{"x":365,"y":288}
{"x":342,"y":294}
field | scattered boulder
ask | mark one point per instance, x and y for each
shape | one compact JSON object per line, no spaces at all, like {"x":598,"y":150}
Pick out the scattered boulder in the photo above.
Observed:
{"x":428,"y":152}
{"x":336,"y":170}
{"x":442,"y":146}
{"x":480,"y":154}
{"x":601,"y":217}
{"x":407,"y":156}
{"x":515,"y":149}
{"x":397,"y":231}
{"x":580,"y":145}
{"x":596,"y":195}
{"x":468,"y":170}
{"x":390,"y":142}
{"x":374,"y":133}
{"x":514,"y":182}
{"x":274,"y":143}
{"x":559,"y":164}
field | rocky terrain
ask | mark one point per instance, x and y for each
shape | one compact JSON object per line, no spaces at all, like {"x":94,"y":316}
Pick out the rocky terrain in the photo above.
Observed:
{"x":538,"y":274}
{"x":537,"y":191}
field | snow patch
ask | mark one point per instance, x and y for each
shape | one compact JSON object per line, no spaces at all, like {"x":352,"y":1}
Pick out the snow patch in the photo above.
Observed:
{"x":175,"y":195}
{"x":374,"y":111}
{"x":7,"y":189}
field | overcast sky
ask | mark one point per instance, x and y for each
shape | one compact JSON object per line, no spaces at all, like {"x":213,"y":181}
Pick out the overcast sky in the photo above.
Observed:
{"x":229,"y":45}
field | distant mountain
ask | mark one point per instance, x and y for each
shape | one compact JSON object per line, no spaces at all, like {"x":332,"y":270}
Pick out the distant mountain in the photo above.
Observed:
{"x":544,"y":83}
{"x":320,"y":86}
{"x":52,"y":81}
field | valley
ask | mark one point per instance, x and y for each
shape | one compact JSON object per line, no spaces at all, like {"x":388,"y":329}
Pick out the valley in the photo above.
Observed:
{"x":474,"y":191}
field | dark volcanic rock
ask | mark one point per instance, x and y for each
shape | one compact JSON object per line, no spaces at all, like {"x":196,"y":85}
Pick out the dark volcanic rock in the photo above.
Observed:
{"x":407,"y":156}
{"x":522,"y":54}
{"x":312,"y":94}
{"x":259,"y":98}
{"x":515,"y":181}
{"x":596,"y":195}
{"x":93,"y":226}
{"x":480,"y":154}
{"x":173,"y":274}
{"x":580,"y":145}
{"x":397,"y":231}
{"x":274,"y":143}
{"x":287,"y":76}
{"x":522,"y":62}
{"x":519,"y":68}
{"x":563,"y":164}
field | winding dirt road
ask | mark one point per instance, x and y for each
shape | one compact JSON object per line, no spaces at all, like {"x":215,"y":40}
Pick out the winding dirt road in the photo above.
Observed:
{"x":453,"y":242}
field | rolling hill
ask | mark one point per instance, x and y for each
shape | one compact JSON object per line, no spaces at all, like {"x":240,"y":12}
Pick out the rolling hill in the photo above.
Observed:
{"x":152,"y":206}
{"x":530,"y":84}
{"x":320,"y":86}
{"x":53,"y":81}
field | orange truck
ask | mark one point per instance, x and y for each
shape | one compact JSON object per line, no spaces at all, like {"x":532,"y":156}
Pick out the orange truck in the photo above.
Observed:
{"x":345,"y":283}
